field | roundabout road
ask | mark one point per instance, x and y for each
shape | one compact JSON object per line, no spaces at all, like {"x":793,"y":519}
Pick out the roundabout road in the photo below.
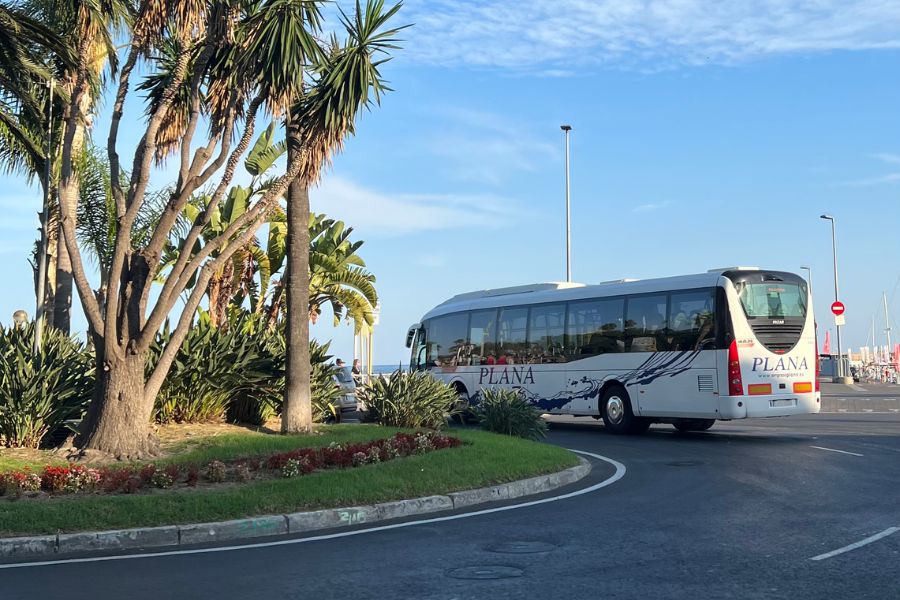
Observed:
{"x":738,"y":512}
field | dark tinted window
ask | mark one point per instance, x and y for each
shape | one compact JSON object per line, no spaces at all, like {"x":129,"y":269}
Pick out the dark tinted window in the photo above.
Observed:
{"x":595,"y":327}
{"x":645,"y":324}
{"x":446,"y":340}
{"x":692,"y":320}
{"x":511,"y":345}
{"x":483,"y":337}
{"x":546,"y":329}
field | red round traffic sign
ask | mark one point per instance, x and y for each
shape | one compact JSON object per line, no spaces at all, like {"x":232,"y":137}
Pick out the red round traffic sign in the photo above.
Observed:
{"x":837,"y":308}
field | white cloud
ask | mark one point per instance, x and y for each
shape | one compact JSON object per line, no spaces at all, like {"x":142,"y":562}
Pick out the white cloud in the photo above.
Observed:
{"x":432,"y":261}
{"x":379,"y":214}
{"x":886,"y":157}
{"x":640,"y":208}
{"x":532,"y":35}
{"x":487,"y":148}
{"x":880,"y":180}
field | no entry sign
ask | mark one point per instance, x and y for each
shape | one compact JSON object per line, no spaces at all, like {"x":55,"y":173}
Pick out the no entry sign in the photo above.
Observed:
{"x":837,"y":308}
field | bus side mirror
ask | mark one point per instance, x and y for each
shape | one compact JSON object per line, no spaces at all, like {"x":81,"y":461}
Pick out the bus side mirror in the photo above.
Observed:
{"x":411,"y":334}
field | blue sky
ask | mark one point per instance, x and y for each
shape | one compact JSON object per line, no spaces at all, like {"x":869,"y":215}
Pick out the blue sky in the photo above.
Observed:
{"x":706,"y":134}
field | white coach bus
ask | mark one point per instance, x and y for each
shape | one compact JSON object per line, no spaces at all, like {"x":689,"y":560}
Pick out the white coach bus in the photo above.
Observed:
{"x":728,"y":344}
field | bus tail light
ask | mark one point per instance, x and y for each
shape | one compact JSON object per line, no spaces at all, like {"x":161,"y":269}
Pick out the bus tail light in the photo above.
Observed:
{"x":759,"y":389}
{"x":803,"y":387}
{"x":735,"y":383}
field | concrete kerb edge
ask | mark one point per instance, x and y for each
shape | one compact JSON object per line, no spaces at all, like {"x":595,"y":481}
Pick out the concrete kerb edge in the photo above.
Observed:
{"x":268,"y":525}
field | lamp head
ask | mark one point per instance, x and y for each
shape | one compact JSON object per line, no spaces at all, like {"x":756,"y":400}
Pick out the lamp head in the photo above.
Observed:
{"x":566,"y":127}
{"x":826,"y":217}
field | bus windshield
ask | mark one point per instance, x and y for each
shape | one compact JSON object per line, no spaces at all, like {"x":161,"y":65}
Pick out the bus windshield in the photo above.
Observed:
{"x":773,"y":300}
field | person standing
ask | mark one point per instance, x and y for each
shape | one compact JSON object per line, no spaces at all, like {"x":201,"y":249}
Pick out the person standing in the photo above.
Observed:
{"x":356,"y":371}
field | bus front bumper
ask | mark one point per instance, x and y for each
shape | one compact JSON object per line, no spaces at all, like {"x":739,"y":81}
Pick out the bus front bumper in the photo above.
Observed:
{"x":776,"y":405}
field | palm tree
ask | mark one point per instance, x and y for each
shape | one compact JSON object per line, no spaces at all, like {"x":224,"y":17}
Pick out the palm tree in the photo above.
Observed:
{"x":338,"y":275}
{"x":31,"y":55}
{"x":347,"y":79}
{"x":57,"y":31}
{"x":24,"y":45}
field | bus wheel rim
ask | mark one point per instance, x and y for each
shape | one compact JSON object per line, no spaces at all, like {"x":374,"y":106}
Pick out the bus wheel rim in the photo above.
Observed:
{"x":615,"y":409}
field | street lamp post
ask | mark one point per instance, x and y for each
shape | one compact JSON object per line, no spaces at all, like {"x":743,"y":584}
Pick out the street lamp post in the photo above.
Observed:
{"x":840,"y":363}
{"x":567,"y":129}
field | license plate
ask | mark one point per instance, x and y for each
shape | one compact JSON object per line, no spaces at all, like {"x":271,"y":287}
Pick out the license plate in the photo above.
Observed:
{"x":788,"y":402}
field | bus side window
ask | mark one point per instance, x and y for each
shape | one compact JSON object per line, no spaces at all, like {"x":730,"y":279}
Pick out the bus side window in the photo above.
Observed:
{"x":646,"y":324}
{"x":546,"y":326}
{"x":483,"y":337}
{"x":512,"y":347}
{"x":595,"y":327}
{"x":447,"y":340}
{"x":692,"y":320}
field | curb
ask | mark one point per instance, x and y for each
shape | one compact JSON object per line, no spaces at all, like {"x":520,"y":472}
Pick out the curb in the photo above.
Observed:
{"x":294,"y":523}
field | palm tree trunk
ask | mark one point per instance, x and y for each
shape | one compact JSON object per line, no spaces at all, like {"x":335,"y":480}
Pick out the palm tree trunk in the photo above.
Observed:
{"x":296,"y":413}
{"x":62,"y":294}
{"x":62,"y":301}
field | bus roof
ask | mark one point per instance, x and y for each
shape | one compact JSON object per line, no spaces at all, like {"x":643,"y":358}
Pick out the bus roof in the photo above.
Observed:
{"x":560,"y":291}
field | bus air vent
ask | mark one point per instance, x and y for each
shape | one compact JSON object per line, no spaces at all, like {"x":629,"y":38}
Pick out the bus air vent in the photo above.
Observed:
{"x":778,"y":338}
{"x":705,"y":383}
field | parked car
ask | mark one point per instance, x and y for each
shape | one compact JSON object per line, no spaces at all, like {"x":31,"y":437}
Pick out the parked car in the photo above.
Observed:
{"x":343,"y":379}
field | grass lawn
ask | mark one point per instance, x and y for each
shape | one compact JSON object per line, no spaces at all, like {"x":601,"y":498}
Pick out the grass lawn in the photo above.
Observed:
{"x":486,"y":459}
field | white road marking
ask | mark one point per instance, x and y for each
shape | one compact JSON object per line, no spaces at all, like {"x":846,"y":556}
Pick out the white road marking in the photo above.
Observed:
{"x":842,"y":410}
{"x":858,"y":544}
{"x":833,"y":450}
{"x":619,"y":474}
{"x":858,"y":388}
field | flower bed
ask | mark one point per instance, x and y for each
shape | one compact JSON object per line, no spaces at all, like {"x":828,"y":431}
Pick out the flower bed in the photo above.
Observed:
{"x":129,"y":480}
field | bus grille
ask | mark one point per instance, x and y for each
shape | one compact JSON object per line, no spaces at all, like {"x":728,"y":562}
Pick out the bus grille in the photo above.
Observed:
{"x":778,"y":338}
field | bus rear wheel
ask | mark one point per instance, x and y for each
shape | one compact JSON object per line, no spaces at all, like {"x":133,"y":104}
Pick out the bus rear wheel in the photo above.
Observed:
{"x":694,"y":424}
{"x":615,"y":408}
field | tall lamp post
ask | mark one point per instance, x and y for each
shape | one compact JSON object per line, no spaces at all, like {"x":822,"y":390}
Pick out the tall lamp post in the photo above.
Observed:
{"x":840,"y":363}
{"x":567,"y":129}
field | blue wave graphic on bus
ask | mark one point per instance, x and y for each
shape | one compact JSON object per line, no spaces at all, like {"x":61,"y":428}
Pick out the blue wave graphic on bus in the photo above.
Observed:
{"x":662,"y":364}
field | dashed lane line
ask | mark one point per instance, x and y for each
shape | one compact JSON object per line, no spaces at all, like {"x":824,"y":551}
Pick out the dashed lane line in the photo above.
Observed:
{"x":859,"y":544}
{"x":833,"y":450}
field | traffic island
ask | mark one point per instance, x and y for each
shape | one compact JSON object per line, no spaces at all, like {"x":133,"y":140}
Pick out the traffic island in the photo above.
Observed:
{"x":486,"y":467}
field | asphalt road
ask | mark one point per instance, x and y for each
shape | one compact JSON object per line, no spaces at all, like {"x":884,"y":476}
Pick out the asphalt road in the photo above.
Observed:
{"x":737,"y":512}
{"x":861,"y":397}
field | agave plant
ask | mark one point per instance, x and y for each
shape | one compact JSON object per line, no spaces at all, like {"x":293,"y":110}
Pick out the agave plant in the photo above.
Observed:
{"x":409,"y":400}
{"x":505,"y":411}
{"x":260,"y":403}
{"x":39,"y":394}
{"x":214,"y":366}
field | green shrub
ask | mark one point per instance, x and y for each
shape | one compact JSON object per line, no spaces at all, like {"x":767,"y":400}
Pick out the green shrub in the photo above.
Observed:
{"x":409,"y":400}
{"x":264,"y":401}
{"x":37,"y":397}
{"x":212,"y":367}
{"x":505,"y":411}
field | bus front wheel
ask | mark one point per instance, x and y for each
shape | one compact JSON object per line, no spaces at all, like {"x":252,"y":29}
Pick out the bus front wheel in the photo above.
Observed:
{"x":615,"y":408}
